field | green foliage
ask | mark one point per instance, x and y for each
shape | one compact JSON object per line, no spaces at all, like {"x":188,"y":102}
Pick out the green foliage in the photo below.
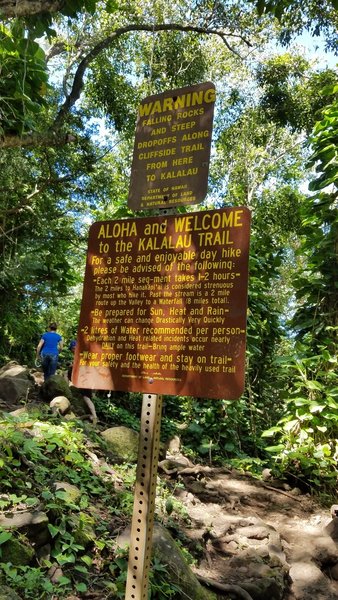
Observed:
{"x":278,"y":7}
{"x":120,"y":409}
{"x":41,"y":244}
{"x":23,"y":81}
{"x":216,"y":430}
{"x":29,"y":467}
{"x":307,"y":434}
{"x":323,"y":142}
{"x":295,"y":16}
{"x":29,"y":581}
{"x":291,"y":91}
{"x":111,"y":89}
{"x":160,"y":588}
{"x":175,"y":60}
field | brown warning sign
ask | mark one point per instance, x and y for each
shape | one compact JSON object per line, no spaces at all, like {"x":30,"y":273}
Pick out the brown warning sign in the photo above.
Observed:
{"x":164,"y":305}
{"x":172,"y":148}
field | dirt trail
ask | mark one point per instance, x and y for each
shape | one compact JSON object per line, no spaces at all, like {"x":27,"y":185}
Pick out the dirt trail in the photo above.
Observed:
{"x":270,"y":541}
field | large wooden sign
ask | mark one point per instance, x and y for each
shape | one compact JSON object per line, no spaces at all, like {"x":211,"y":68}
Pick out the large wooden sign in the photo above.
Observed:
{"x":172,"y":148}
{"x":164,"y":305}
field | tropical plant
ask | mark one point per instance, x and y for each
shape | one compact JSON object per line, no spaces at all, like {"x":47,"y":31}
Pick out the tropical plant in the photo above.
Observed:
{"x":308,"y":432}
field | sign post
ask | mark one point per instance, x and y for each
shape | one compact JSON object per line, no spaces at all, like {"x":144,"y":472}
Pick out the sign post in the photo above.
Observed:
{"x":165,"y":298}
{"x":164,"y":311}
{"x":144,"y":499}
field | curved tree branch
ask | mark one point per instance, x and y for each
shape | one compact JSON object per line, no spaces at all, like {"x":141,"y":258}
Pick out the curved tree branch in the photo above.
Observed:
{"x":78,"y":81}
{"x":35,"y":140}
{"x":54,"y":137}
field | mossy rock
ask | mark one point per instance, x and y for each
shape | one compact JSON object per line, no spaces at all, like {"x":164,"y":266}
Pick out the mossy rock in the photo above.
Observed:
{"x":83,"y":529}
{"x":77,"y":402}
{"x":178,"y":571}
{"x":6,"y":593}
{"x":17,"y":551}
{"x":123,"y":443}
{"x":70,"y":493}
{"x":55,"y":386}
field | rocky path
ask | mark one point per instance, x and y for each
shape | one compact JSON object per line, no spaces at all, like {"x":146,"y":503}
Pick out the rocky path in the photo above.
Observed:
{"x":275,"y":544}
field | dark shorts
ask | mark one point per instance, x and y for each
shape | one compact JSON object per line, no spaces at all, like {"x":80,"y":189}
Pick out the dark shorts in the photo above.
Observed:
{"x":84,"y":392}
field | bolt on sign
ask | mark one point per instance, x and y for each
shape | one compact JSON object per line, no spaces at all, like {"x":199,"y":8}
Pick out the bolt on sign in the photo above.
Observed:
{"x":172,"y":148}
{"x":164,"y":305}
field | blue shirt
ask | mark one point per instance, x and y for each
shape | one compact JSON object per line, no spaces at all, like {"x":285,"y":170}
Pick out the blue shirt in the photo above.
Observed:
{"x":51,"y":339}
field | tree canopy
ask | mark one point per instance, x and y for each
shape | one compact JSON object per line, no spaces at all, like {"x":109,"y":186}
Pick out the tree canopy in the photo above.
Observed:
{"x":72,"y":76}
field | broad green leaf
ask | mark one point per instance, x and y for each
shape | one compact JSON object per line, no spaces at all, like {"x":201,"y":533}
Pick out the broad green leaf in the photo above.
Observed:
{"x":316,"y":408}
{"x":81,"y":569}
{"x":5,"y":536}
{"x":64,"y":580}
{"x":313,"y":385}
{"x":291,"y":425}
{"x":275,"y":449}
{"x":54,"y":531}
{"x":271,"y":432}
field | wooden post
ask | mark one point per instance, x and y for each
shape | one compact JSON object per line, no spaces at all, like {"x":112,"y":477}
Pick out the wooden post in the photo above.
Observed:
{"x":144,"y":499}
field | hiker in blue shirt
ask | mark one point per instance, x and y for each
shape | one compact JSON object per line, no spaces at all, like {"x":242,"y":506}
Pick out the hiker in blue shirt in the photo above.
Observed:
{"x":49,"y":347}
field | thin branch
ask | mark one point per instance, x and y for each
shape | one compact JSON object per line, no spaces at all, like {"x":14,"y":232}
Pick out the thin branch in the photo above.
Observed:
{"x":55,"y":50}
{"x":6,"y":234}
{"x":24,"y":204}
{"x":273,"y":489}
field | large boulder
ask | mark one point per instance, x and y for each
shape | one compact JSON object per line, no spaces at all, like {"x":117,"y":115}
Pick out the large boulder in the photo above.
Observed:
{"x":309,"y":582}
{"x":60,"y":405}
{"x":6,"y":593}
{"x":17,"y":552}
{"x":15,"y":383}
{"x":123,"y":443}
{"x":167,"y":551}
{"x":55,"y":386}
{"x":32,"y":524}
{"x":169,"y":554}
{"x":35,"y":519}
{"x":77,"y":402}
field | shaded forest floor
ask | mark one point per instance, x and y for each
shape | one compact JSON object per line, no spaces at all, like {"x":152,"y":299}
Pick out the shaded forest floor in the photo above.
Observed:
{"x":273,"y":542}
{"x":250,"y":528}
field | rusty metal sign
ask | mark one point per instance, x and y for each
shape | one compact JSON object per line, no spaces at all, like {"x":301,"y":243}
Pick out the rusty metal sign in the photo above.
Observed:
{"x":172,"y":148}
{"x":164,"y":305}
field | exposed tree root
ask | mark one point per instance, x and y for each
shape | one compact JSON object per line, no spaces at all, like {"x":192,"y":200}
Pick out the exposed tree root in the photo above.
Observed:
{"x":270,"y":487}
{"x":226,"y":588}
